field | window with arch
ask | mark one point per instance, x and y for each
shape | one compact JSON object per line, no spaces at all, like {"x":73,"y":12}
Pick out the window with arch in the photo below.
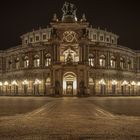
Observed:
{"x":26,"y":62}
{"x":47,"y":60}
{"x":70,"y":56}
{"x":17,"y":63}
{"x":10,"y":64}
{"x":36,"y":61}
{"x":129,"y":64}
{"x":122,"y":63}
{"x":91,"y":60}
{"x":113,"y":62}
{"x":102,"y":61}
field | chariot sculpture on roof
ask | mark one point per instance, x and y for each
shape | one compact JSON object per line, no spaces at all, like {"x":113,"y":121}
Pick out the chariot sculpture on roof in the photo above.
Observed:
{"x":69,"y":9}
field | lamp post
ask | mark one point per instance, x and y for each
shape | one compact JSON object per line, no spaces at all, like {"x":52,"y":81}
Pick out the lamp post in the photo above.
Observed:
{"x":36,"y":86}
{"x":1,"y":87}
{"x":114,"y":83}
{"x":47,"y":84}
{"x":138,"y":91}
{"x":133,"y":83}
{"x":102,"y":83}
{"x":25,"y":85}
{"x":124,"y":84}
{"x":14,"y":83}
{"x":6,"y":84}
{"x":91,"y":85}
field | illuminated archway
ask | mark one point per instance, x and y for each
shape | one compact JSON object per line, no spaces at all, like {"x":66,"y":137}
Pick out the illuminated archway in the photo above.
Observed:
{"x":69,"y":83}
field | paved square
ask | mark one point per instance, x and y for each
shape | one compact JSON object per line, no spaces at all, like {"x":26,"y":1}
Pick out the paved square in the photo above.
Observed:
{"x":70,"y":118}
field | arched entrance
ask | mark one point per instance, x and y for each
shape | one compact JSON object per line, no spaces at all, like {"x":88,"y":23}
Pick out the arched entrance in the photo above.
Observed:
{"x":69,"y":83}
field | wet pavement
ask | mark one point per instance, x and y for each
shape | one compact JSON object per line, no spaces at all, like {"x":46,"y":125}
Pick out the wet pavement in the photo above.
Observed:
{"x":71,"y":118}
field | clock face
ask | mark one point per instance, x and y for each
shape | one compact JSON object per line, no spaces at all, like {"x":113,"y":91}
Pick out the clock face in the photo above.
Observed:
{"x":69,"y":36}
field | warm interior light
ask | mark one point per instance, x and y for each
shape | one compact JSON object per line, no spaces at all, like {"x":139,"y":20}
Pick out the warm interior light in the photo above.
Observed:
{"x":91,"y":81}
{"x":69,"y":77}
{"x":124,"y":83}
{"x":25,"y":82}
{"x":37,"y":82}
{"x":133,"y":83}
{"x":6,"y":83}
{"x":1,"y":84}
{"x":114,"y":82}
{"x":14,"y":83}
{"x":74,"y":84}
{"x":102,"y":82}
{"x":48,"y":81}
{"x":138,"y":83}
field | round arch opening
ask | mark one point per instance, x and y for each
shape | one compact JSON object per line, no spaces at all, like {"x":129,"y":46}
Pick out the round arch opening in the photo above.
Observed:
{"x":69,"y":83}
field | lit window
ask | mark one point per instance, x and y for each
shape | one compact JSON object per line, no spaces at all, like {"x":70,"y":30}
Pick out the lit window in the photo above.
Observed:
{"x":36,"y":61}
{"x":102,"y":61}
{"x":91,"y":60}
{"x":26,"y":62}
{"x":17,"y":63}
{"x":122,"y":63}
{"x":112,"y":62}
{"x":47,"y":60}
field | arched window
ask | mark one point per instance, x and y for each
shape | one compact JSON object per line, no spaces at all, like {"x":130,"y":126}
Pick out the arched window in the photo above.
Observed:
{"x":129,"y":64}
{"x":36,"y":61}
{"x":91,"y":60}
{"x":17,"y":63}
{"x":26,"y":62}
{"x":10,"y":64}
{"x":122,"y":63}
{"x":102,"y":61}
{"x":47,"y":60}
{"x":113,"y":62}
{"x":70,"y":56}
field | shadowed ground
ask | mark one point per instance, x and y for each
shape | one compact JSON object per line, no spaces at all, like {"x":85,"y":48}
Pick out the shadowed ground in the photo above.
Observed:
{"x":70,"y":118}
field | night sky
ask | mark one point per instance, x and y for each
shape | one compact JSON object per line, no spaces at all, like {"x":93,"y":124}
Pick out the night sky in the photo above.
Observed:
{"x":22,"y":16}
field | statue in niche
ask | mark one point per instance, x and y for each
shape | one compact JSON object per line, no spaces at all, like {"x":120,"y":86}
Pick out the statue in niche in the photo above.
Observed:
{"x":69,"y":58}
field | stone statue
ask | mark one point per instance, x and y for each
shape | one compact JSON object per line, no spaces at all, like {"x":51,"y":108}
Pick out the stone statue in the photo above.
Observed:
{"x":69,"y":58}
{"x":69,"y":9}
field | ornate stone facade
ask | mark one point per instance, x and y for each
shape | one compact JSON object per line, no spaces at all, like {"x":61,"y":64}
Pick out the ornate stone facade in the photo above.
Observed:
{"x":69,"y":58}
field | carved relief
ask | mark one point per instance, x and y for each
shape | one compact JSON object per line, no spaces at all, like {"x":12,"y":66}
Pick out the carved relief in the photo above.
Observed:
{"x":69,"y":36}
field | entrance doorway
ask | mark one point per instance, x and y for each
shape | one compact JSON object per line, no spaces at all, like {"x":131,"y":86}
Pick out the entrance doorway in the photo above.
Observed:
{"x":69,"y":88}
{"x":69,"y":84}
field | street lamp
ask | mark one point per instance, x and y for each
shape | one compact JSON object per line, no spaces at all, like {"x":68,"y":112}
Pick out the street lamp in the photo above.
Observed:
{"x":48,"y":81}
{"x":1,"y":87}
{"x":25,"y":84}
{"x":6,"y":84}
{"x":138,"y":84}
{"x":124,"y":84}
{"x":36,"y":86}
{"x":133,"y":83}
{"x":14,"y":83}
{"x":102,"y":83}
{"x":114,"y":83}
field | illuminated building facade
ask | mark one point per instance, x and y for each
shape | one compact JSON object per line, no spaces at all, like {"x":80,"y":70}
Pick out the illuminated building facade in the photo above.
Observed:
{"x":69,"y":58}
